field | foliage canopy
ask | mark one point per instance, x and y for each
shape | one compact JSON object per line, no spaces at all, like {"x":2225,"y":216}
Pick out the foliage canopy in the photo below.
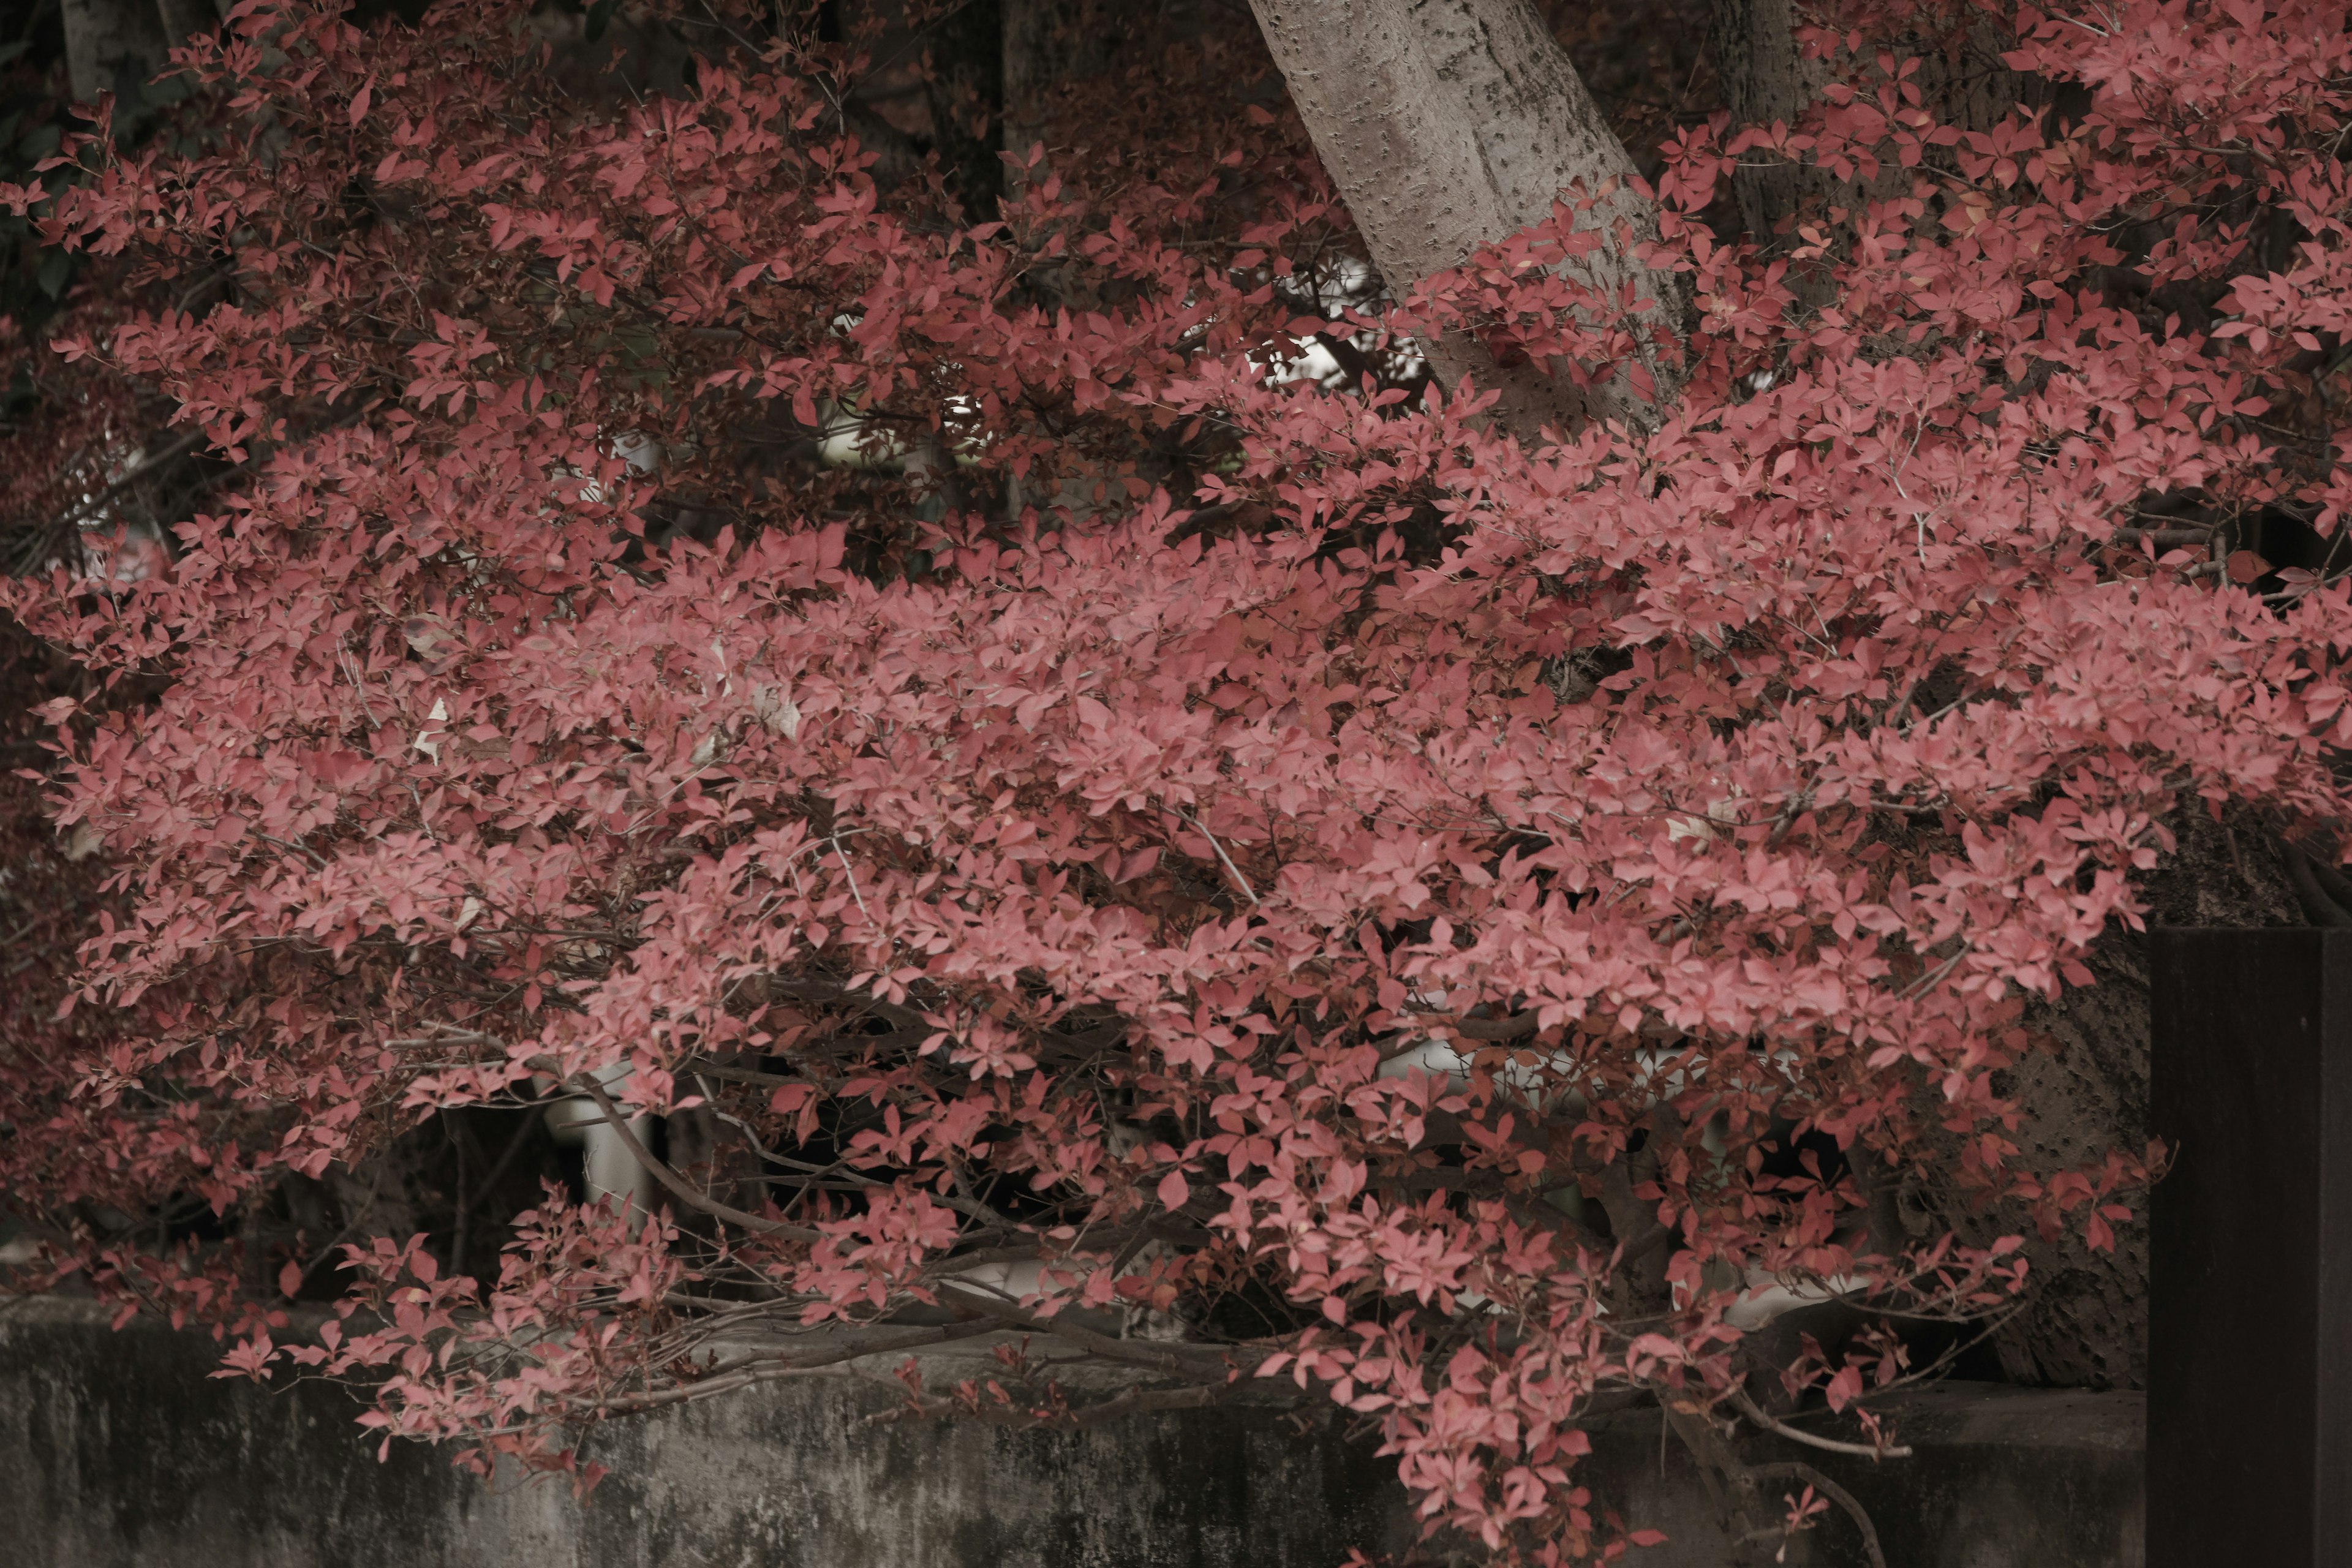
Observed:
{"x":1080,"y":823}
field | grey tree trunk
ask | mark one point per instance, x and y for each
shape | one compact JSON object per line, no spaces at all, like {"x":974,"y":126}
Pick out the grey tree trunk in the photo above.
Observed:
{"x":112,"y":45}
{"x":2085,"y":1322}
{"x":2086,"y":1325}
{"x":1449,"y":124}
{"x":932,"y":86}
{"x":119,"y":45}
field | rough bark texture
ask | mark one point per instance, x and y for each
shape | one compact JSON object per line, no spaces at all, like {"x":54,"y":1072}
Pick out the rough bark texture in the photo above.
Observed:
{"x":185,"y":18}
{"x":2085,"y":1324}
{"x":966,"y":80}
{"x":1448,"y":124}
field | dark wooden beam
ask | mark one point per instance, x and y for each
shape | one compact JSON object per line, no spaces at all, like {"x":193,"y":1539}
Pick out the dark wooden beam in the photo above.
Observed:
{"x":2250,"y":1351}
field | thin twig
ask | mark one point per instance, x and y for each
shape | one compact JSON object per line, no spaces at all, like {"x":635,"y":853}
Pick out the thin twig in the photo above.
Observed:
{"x":175,"y":448}
{"x":1756,"y":1414}
{"x":847,"y":871}
{"x":1247,"y":891}
{"x":1794,"y":1470}
{"x":1934,"y":978}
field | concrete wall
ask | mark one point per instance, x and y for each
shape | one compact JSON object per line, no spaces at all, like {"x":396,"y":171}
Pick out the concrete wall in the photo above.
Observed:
{"x":2002,"y":1478}
{"x":116,"y":1450}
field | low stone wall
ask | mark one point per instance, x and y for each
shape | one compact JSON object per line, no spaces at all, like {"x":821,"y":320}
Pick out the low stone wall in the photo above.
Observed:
{"x":117,"y":1450}
{"x":2000,"y":1477}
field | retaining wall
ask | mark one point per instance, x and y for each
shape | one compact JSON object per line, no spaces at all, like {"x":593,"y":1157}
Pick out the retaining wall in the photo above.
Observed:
{"x":118,"y":1451}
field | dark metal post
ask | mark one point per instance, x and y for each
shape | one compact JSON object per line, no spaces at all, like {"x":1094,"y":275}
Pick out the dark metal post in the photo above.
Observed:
{"x":2250,"y":1323}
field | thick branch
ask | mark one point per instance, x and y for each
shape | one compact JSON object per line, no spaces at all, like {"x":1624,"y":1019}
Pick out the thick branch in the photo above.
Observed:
{"x":675,"y":1184}
{"x":1202,"y":1362}
{"x":775,"y":1365}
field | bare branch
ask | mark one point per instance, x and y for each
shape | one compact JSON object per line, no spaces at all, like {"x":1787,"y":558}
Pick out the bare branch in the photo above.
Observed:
{"x":675,"y":1184}
{"x":1756,"y":1414}
{"x":1793,"y":1470}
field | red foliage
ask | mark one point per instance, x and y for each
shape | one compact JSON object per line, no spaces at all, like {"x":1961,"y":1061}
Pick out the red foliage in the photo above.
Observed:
{"x":1078,"y":821}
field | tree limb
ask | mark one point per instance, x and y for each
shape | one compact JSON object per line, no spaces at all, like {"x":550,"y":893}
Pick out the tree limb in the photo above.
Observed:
{"x":1756,"y":1413}
{"x":675,"y":1184}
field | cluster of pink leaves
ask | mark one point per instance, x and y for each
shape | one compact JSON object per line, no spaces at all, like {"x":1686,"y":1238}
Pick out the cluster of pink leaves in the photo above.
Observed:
{"x":1698,"y":783}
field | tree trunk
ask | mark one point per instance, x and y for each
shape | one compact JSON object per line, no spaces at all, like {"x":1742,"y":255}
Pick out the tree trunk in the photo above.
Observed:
{"x":112,"y":45}
{"x":967,"y":87}
{"x":1766,"y":81}
{"x":932,"y":86}
{"x":1047,"y":44}
{"x":1449,"y":124}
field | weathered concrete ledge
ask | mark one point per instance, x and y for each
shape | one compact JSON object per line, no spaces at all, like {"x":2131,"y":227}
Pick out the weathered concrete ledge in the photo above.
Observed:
{"x":2002,"y":1478}
{"x":116,"y":1450}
